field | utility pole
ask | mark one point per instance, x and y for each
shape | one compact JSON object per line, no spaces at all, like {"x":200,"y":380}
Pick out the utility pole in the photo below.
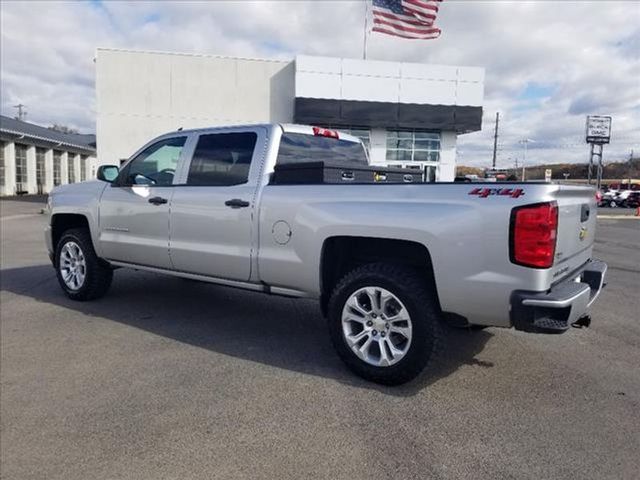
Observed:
{"x":21,"y":111}
{"x":524,"y":142}
{"x":495,"y":140}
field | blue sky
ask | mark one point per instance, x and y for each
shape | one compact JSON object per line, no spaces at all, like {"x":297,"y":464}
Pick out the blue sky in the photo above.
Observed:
{"x":546,"y":67}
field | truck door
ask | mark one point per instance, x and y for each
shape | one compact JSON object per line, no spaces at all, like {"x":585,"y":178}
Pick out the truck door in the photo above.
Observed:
{"x":211,"y":213}
{"x":134,"y":210}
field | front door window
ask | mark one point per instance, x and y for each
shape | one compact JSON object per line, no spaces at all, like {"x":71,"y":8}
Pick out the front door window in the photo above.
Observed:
{"x":155,"y":165}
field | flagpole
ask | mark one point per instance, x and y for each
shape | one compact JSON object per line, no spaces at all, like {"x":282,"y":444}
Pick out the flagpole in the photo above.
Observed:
{"x":366,"y":24}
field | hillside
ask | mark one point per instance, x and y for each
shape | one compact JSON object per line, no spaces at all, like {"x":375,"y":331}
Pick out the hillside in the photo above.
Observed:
{"x":616,"y":170}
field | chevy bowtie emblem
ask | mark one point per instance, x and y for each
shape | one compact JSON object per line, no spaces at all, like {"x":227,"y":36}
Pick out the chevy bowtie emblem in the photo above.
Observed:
{"x":583,"y":233}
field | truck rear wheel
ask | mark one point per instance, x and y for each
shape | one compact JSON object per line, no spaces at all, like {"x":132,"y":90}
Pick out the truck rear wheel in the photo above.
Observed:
{"x":383,"y":322}
{"x":81,"y":274}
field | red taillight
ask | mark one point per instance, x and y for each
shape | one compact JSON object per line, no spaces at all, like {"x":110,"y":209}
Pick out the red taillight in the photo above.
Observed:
{"x":534,"y":229}
{"x":325,"y":132}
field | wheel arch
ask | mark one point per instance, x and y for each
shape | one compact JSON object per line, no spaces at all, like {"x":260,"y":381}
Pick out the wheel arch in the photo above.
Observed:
{"x":341,"y":254}
{"x":61,"y":222}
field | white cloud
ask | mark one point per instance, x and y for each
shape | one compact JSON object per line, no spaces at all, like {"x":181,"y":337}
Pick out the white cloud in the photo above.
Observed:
{"x":548,"y":63}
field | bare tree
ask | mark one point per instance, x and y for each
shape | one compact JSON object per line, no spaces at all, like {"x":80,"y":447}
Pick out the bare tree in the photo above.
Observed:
{"x":62,"y":128}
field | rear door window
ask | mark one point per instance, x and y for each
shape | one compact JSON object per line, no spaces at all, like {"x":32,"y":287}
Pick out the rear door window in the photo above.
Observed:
{"x":222,"y":159}
{"x":299,"y":147}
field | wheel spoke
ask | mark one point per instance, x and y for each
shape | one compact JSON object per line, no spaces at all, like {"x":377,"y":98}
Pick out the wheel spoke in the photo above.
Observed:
{"x":365,"y":346}
{"x":404,"y":331}
{"x":384,"y":355}
{"x":400,"y":316}
{"x":355,"y":305}
{"x":66,"y":275}
{"x":372,"y":294}
{"x":384,"y":299}
{"x":355,"y":339}
{"x":354,"y":318}
{"x":395,"y":351}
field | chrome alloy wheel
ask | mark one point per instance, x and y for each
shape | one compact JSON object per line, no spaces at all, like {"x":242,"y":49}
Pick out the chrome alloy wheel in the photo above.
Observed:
{"x":73,"y":266}
{"x":377,"y":326}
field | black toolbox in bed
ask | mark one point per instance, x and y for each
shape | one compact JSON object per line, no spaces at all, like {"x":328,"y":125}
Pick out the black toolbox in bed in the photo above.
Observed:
{"x":341,"y":172}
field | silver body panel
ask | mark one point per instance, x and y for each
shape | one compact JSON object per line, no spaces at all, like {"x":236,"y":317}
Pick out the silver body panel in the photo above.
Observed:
{"x":195,"y":235}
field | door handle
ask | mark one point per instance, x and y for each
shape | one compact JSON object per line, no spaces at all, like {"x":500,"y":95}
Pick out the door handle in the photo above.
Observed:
{"x":236,"y":203}
{"x":157,"y":200}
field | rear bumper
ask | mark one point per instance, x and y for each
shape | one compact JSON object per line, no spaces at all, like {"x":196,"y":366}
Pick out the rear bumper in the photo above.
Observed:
{"x":555,"y":310}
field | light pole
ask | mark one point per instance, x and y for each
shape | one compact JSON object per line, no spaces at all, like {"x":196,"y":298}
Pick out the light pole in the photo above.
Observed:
{"x":524,"y":142}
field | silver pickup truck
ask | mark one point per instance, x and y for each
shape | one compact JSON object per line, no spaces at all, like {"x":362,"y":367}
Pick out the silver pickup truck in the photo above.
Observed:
{"x":387,"y":262}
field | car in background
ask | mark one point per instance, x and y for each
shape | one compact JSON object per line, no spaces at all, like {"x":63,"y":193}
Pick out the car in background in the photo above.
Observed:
{"x":616,"y":194}
{"x":607,"y":199}
{"x":632,"y":200}
{"x":625,"y":190}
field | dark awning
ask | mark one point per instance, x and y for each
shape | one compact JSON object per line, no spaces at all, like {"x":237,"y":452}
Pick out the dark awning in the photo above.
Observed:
{"x":388,"y":115}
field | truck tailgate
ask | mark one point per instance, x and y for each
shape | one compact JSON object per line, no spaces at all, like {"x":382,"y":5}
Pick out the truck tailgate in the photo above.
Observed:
{"x":577,"y":212}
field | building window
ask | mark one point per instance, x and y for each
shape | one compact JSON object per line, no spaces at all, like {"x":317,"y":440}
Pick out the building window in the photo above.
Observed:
{"x":83,"y":168}
{"x":40,"y":178}
{"x":413,"y":146}
{"x":21,"y":168}
{"x":57,"y":168}
{"x":2,"y":145}
{"x":71,"y":170}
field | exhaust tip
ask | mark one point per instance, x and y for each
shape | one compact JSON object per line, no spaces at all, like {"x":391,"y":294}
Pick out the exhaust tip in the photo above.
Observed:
{"x":582,"y":322}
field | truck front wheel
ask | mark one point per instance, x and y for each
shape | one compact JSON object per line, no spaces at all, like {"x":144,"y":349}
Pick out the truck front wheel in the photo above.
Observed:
{"x":384,"y":323}
{"x":81,"y":274}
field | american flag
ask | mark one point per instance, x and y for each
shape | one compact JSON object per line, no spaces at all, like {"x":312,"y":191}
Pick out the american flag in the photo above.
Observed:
{"x":406,"y":18}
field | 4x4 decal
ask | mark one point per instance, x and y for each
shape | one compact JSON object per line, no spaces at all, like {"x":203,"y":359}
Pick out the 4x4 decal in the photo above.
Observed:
{"x":505,"y":192}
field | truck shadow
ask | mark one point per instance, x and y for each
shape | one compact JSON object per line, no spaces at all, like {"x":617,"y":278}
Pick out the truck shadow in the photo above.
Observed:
{"x":276,"y":331}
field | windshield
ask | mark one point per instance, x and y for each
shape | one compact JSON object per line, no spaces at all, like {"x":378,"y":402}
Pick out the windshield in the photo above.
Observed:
{"x":299,"y":147}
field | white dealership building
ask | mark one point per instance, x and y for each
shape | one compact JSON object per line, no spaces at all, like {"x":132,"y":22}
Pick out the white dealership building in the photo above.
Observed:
{"x":407,"y":114}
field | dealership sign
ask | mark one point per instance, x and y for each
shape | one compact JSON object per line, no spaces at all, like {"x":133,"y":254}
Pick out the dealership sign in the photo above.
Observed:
{"x":598,"y":129}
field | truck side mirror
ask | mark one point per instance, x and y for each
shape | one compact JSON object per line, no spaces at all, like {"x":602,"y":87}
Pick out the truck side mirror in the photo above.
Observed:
{"x":107,"y":173}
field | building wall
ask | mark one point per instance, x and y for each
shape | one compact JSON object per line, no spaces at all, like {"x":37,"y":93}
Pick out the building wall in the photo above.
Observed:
{"x":447,"y":164}
{"x":142,"y":94}
{"x":330,"y":78}
{"x":8,"y":187}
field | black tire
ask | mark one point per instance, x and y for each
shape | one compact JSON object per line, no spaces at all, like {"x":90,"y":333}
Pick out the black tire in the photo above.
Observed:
{"x":418,"y":298}
{"x":98,"y":274}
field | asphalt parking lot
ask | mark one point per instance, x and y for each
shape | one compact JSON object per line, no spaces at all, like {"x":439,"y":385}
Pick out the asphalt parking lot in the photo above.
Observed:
{"x":165,"y":378}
